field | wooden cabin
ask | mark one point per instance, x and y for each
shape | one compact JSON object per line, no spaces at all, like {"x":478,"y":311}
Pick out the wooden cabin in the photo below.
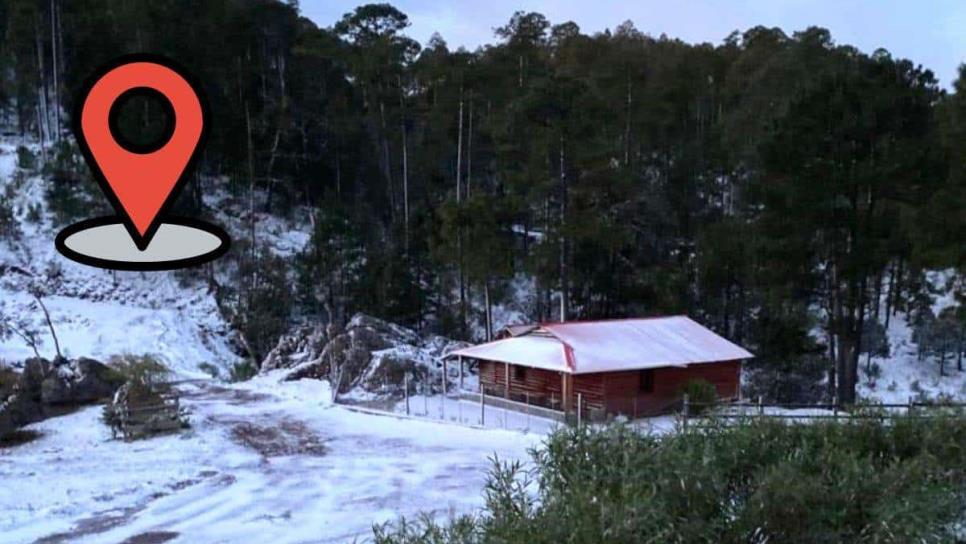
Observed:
{"x":635,"y":367}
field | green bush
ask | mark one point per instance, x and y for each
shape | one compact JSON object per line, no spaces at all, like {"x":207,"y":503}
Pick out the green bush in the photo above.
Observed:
{"x":242,"y":371}
{"x":8,"y":222}
{"x":8,"y":379}
{"x":702,"y":395}
{"x":26,"y":159}
{"x":210,"y":370}
{"x":140,"y":369}
{"x":758,"y":481}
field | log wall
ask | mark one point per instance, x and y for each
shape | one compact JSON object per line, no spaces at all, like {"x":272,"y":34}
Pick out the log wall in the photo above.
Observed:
{"x":613,"y":392}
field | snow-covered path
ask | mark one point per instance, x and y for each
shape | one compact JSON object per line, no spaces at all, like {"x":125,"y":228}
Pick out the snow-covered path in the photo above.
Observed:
{"x":263,"y":462}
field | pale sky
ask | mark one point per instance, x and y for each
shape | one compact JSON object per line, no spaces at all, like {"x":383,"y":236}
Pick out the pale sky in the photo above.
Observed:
{"x":928,"y":32}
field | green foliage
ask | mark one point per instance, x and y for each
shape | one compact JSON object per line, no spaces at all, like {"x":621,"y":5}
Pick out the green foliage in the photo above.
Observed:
{"x":762,"y":184}
{"x":242,"y":371}
{"x":760,"y":481}
{"x":143,"y":369}
{"x":265,"y":309}
{"x":18,"y":438}
{"x":8,"y":222}
{"x":8,"y":379}
{"x":210,"y":369}
{"x":702,"y":395}
{"x":26,"y":159}
{"x":71,"y":193}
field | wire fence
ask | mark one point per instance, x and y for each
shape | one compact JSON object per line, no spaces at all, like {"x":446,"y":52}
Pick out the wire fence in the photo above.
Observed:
{"x":691,"y":410}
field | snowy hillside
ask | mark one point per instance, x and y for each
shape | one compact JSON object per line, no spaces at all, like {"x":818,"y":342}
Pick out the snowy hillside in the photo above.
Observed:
{"x":900,"y":376}
{"x":95,"y":312}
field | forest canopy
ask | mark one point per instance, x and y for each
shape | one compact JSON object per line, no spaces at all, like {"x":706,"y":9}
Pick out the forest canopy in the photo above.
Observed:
{"x":771,"y":185}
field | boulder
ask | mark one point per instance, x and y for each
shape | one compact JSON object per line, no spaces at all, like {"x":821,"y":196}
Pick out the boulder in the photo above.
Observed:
{"x":44,"y":384}
{"x":295,"y":348}
{"x":80,"y":381}
{"x":370,"y":354}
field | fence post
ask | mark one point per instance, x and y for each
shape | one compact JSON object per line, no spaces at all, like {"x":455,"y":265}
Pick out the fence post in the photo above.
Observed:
{"x":580,"y":407}
{"x":912,"y":405}
{"x":406,"y":386}
{"x":761,"y":406}
{"x":685,"y":410}
{"x":482,"y":409}
{"x":460,"y":357}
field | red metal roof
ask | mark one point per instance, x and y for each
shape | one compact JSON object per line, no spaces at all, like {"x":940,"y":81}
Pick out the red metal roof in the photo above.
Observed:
{"x":607,"y":346}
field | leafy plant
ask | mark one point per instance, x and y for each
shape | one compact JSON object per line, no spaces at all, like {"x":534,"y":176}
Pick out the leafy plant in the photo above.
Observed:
{"x":702,"y":395}
{"x":758,"y":481}
{"x":242,"y":371}
{"x":142,"y":369}
{"x":26,"y":159}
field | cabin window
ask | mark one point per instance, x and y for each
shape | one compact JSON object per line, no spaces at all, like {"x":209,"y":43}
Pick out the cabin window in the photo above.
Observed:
{"x":519,"y":372}
{"x":647,"y":381}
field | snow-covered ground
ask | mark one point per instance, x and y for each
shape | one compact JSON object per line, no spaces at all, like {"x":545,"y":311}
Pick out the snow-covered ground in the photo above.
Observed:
{"x":265,"y":462}
{"x":461,"y":412}
{"x":98,"y":313}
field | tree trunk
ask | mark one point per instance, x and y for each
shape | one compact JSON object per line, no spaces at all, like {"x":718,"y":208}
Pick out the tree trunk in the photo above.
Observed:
{"x":627,"y":126}
{"x":54,"y":24}
{"x":387,"y":165}
{"x":469,"y":150}
{"x":405,"y":165}
{"x":50,"y":325}
{"x":251,"y":182}
{"x":459,"y":153}
{"x":564,"y":279}
{"x":489,"y":309}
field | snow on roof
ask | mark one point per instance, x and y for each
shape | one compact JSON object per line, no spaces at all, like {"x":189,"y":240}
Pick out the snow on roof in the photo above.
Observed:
{"x":605,"y":346}
{"x":531,"y":350}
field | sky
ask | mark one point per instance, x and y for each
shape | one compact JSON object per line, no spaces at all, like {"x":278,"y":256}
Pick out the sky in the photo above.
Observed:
{"x":928,"y":32}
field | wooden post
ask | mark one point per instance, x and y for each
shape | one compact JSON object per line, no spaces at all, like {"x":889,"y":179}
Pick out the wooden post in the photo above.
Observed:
{"x":406,"y":386}
{"x":761,"y":407}
{"x":460,"y":359}
{"x":566,"y":391}
{"x":482,"y":409}
{"x":912,"y":405}
{"x":506,"y":389}
{"x":444,"y":378}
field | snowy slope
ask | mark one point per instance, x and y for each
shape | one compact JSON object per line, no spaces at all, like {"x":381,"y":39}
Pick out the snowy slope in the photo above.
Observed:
{"x":264,"y":462}
{"x":902,"y":376}
{"x":98,"y":313}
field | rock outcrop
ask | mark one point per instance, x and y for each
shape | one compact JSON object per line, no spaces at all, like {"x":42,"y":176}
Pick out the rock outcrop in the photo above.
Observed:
{"x":43,"y":387}
{"x":369,"y":355}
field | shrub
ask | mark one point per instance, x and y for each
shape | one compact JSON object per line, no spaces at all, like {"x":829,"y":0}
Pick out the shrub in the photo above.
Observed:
{"x":140,"y":369}
{"x":26,"y":159}
{"x":8,"y":222}
{"x":210,"y":369}
{"x":242,"y":371}
{"x":757,"y":481}
{"x":8,"y":379}
{"x":702,"y":395}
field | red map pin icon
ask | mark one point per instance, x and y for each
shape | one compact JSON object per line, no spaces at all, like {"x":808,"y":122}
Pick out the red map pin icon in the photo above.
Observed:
{"x":141,"y":182}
